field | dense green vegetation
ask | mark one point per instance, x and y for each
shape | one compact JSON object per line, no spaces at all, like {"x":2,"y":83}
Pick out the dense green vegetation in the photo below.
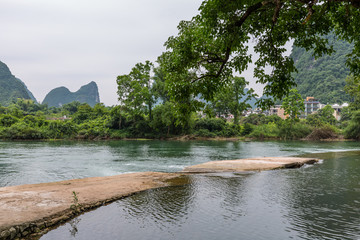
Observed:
{"x":11,"y":87}
{"x":324,"y":77}
{"x":86,"y":94}
{"x":148,"y":110}
{"x":28,"y":120}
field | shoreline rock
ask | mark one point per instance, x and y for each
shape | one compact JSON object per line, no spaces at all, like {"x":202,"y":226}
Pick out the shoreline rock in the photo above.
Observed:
{"x":250,"y":164}
{"x":33,"y":208}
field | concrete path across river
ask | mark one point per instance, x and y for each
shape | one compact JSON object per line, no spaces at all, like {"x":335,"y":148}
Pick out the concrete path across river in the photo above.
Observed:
{"x":28,"y":209}
{"x":249,"y":164}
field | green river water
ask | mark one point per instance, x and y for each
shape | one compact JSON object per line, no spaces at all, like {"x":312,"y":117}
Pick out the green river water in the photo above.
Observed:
{"x":320,"y":201}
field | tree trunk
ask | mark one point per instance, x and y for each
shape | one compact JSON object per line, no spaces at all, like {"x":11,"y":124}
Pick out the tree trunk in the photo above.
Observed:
{"x":120,"y":122}
{"x":236,"y":117}
{"x":150,"y":111}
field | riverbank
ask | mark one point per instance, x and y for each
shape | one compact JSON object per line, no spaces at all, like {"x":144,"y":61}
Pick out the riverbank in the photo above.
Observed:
{"x":187,"y":138}
{"x":31,"y":210}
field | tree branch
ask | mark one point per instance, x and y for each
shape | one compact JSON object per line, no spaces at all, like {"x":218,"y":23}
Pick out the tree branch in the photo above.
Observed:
{"x":237,"y":23}
{"x":249,"y":11}
{"x":276,"y":11}
{"x":311,"y":10}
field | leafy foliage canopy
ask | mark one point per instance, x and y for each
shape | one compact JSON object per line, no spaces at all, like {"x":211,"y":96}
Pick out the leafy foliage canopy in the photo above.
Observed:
{"x":213,"y":45}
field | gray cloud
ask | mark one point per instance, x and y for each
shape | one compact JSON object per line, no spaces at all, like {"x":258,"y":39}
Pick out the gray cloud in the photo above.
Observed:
{"x":69,"y":43}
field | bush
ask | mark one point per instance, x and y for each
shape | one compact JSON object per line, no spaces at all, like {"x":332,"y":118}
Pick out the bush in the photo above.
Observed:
{"x":204,"y":133}
{"x":94,"y":129}
{"x":140,"y":128}
{"x":119,"y":134}
{"x":211,"y":124}
{"x":33,"y":121}
{"x":295,"y":131}
{"x":22,"y":131}
{"x":7,"y":120}
{"x":273,"y":118}
{"x":117,"y":118}
{"x":231,"y":130}
{"x":215,"y":127}
{"x":314,"y":120}
{"x":323,"y":132}
{"x":60,"y":129}
{"x":269,"y":130}
{"x":254,"y":119}
{"x":84,"y":113}
{"x":353,"y":129}
{"x":246,"y":129}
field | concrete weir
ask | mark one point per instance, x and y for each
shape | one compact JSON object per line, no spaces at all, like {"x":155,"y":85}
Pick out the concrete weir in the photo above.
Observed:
{"x":29,"y":209}
{"x":249,"y":164}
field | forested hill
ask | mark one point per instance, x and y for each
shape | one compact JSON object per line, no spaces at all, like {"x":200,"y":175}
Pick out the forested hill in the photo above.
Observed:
{"x":323,"y":78}
{"x":86,"y":94}
{"x":11,"y":88}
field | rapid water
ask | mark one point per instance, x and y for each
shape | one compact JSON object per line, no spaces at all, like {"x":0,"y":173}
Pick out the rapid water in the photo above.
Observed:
{"x":36,"y":162}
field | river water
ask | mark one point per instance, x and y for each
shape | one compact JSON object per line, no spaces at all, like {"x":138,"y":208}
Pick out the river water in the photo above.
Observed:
{"x":320,"y":201}
{"x":36,"y":162}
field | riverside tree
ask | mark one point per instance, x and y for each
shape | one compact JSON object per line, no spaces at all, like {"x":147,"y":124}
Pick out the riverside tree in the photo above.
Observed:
{"x":353,"y":129}
{"x":159,"y":85}
{"x":214,"y":44}
{"x":135,"y":89}
{"x":230,"y":99}
{"x":293,"y":104}
{"x":352,"y":87}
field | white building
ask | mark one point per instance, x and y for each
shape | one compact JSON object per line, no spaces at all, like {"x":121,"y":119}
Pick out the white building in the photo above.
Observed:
{"x":311,"y":106}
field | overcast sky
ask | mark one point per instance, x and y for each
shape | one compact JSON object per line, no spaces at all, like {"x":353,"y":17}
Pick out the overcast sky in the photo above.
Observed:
{"x":48,"y":44}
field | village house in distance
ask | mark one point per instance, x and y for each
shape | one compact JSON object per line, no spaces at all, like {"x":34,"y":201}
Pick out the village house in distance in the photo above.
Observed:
{"x":312,"y":105}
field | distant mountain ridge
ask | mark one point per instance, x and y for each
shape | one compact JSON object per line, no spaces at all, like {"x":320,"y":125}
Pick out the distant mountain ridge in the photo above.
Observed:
{"x":323,"y":78}
{"x":12,"y":88}
{"x":86,"y":94}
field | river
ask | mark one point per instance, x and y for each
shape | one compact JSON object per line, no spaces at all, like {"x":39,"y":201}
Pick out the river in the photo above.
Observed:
{"x":320,"y":201}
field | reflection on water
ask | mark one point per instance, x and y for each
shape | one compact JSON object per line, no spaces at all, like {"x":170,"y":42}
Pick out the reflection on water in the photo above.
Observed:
{"x":329,"y":203}
{"x":320,"y":201}
{"x":73,"y":224}
{"x":35,"y":162}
